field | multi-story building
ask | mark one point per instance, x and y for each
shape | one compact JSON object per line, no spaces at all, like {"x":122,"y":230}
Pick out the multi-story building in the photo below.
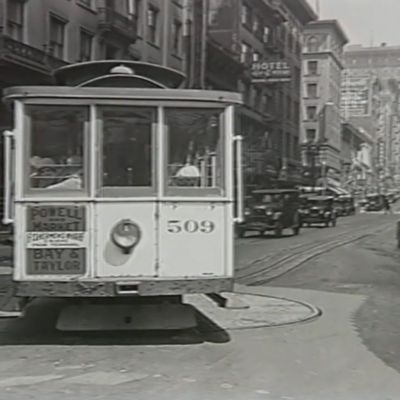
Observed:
{"x":370,"y":99}
{"x":321,"y":81}
{"x":241,"y":34}
{"x":357,"y":175}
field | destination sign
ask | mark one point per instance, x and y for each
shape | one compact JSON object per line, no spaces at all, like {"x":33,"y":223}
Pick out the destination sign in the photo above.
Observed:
{"x":56,"y":239}
{"x":56,"y":261}
{"x":56,"y":218}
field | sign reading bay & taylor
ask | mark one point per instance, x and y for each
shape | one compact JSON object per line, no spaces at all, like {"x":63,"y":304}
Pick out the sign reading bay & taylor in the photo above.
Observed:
{"x":56,"y":240}
{"x":270,"y":72}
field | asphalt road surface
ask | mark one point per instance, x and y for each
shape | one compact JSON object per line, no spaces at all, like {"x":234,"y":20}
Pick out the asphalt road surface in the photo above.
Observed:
{"x":369,"y":267}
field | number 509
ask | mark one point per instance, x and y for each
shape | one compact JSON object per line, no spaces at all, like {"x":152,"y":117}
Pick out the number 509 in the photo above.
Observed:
{"x":190,"y":226}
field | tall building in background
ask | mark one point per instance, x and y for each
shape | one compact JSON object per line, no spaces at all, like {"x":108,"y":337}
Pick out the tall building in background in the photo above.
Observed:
{"x":250,"y":44}
{"x":370,"y":99}
{"x":321,"y":81}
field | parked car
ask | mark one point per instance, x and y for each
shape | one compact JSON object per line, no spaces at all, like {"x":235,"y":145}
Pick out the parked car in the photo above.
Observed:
{"x":339,"y":207}
{"x":348,"y":207}
{"x":272,"y":210}
{"x":375,"y":202}
{"x":320,"y":210}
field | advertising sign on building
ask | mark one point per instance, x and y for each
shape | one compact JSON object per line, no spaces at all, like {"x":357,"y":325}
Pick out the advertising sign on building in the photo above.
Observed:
{"x":270,"y":71}
{"x":355,"y":95}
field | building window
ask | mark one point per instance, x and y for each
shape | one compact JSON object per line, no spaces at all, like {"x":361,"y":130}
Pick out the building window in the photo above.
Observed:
{"x":57,"y":37}
{"x":256,"y":56}
{"x":256,"y":25}
{"x":246,"y":15}
{"x":311,"y":112}
{"x":177,"y":37}
{"x":267,"y":34}
{"x":88,"y":3}
{"x":133,"y":7}
{"x":244,"y":53}
{"x":86,"y":45}
{"x":313,"y":44}
{"x":312,"y":67}
{"x":15,"y":19}
{"x":311,"y":134}
{"x":312,"y":90}
{"x":152,"y":25}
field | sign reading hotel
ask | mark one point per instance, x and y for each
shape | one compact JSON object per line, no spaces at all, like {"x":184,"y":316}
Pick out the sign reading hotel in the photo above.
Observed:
{"x":270,"y":72}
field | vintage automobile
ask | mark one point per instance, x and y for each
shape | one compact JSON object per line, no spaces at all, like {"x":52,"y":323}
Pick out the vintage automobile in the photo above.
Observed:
{"x":375,"y":202}
{"x":347,"y":205}
{"x":272,"y":210}
{"x":320,"y":210}
{"x":339,"y":207}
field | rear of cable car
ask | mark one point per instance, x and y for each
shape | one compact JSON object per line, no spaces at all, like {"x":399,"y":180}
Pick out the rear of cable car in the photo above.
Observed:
{"x":120,"y":184}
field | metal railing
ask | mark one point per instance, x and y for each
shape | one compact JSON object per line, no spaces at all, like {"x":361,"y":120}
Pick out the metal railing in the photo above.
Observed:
{"x":31,"y":55}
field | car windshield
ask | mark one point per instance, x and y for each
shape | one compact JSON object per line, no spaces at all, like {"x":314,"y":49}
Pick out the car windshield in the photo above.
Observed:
{"x":270,"y":198}
{"x":318,"y":203}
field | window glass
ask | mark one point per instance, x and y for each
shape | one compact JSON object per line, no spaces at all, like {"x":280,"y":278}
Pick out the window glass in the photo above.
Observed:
{"x":194,"y":148}
{"x":127,"y":145}
{"x":57,"y":157}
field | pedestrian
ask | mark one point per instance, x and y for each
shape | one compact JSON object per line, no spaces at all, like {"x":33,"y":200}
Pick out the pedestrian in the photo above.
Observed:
{"x":386,"y":206}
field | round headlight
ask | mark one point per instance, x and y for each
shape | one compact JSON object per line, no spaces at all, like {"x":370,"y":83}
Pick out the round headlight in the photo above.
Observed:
{"x":126,"y":235}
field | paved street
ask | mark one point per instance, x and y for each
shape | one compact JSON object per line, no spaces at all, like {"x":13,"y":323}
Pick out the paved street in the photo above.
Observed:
{"x":349,"y":352}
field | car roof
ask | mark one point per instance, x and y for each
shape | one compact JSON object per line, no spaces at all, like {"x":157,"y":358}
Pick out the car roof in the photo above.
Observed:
{"x":274,"y":191}
{"x":320,"y":198}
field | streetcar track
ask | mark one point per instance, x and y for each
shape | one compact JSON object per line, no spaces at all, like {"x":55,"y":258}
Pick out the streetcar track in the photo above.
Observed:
{"x":290,"y":262}
{"x":277,"y":255}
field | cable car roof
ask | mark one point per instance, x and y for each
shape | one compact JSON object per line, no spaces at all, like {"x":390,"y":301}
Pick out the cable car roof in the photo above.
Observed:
{"x":120,"y":93}
{"x":122,"y":80}
{"x":82,"y":74}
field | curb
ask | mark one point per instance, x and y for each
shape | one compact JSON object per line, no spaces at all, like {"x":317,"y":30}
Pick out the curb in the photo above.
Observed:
{"x":315,"y":311}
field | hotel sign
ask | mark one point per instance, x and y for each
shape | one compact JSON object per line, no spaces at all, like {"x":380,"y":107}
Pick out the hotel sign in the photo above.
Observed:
{"x":270,"y":72}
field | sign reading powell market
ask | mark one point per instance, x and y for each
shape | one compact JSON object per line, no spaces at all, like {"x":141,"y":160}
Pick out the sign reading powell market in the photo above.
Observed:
{"x":270,"y":72}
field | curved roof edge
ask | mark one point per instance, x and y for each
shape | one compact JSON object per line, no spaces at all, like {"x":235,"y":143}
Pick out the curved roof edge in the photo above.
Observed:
{"x":20,"y":92}
{"x":76,"y":74}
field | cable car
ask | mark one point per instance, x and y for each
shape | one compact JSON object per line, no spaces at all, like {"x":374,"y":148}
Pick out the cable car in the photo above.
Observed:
{"x":121,"y":186}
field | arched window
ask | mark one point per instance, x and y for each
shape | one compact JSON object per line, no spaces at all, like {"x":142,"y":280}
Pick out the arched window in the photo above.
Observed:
{"x":313,"y":44}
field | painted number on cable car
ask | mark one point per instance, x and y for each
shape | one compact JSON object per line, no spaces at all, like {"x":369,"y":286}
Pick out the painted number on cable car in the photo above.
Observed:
{"x":190,"y":226}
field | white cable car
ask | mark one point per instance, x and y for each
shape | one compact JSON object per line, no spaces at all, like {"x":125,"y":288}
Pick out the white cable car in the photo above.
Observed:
{"x":120,"y":188}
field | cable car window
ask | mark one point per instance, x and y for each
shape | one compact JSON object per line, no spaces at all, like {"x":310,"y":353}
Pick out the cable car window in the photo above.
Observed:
{"x":195,"y":148}
{"x":127,"y":146}
{"x":57,"y":159}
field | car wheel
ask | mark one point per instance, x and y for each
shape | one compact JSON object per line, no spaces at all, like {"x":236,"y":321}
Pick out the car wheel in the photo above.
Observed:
{"x":278,"y":230}
{"x":296,"y":225}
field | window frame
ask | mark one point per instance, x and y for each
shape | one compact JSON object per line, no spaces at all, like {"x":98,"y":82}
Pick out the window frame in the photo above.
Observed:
{"x":187,"y":191}
{"x":85,"y":32}
{"x":126,"y":191}
{"x":28,"y":191}
{"x":152,"y":31}
{"x":62,"y":22}
{"x":17,"y":26}
{"x":177,"y":44}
